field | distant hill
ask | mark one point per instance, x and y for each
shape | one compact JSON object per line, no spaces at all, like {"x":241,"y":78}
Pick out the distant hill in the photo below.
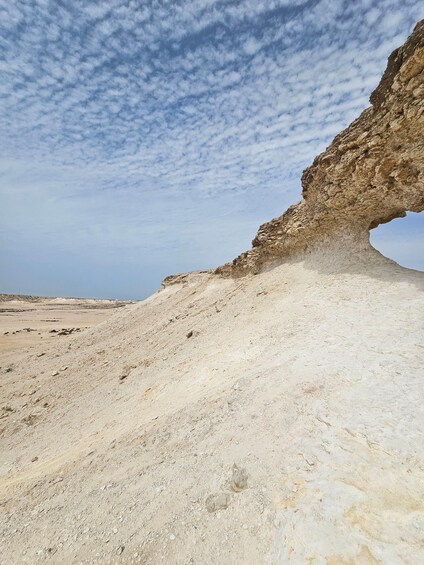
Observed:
{"x":104,"y":302}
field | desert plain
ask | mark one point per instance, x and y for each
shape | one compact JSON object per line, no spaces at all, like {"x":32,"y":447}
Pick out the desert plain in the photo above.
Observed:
{"x":28,"y":320}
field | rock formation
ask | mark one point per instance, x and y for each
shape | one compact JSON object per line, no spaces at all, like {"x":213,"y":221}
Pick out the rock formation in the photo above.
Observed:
{"x":372,"y":172}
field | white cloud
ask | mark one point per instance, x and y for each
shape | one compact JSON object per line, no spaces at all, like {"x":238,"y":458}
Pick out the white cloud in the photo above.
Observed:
{"x":251,"y":46}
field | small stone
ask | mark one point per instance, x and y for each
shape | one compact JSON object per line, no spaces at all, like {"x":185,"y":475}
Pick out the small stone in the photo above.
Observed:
{"x":172,"y":537}
{"x":219,"y":501}
{"x":239,"y":479}
{"x":120,"y":549}
{"x":126,"y":371}
{"x":34,"y":459}
{"x":64,"y":368}
{"x":55,"y":374}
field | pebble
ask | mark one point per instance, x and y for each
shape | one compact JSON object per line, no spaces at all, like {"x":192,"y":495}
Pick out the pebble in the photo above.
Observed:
{"x":239,"y":479}
{"x":172,"y":537}
{"x":219,"y":501}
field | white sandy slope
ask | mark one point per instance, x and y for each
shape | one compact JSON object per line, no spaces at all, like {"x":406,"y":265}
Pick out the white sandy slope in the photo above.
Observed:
{"x":309,"y":376}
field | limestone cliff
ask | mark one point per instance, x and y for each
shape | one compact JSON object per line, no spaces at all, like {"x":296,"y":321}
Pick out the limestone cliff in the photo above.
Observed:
{"x":372,"y":172}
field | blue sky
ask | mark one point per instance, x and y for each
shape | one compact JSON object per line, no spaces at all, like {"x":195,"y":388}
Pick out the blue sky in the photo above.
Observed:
{"x":143,"y":138}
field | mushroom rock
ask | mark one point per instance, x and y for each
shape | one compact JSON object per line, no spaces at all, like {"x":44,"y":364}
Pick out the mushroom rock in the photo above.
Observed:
{"x":372,"y":172}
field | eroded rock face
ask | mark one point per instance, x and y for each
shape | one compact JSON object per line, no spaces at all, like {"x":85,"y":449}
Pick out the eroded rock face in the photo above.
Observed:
{"x":372,"y":172}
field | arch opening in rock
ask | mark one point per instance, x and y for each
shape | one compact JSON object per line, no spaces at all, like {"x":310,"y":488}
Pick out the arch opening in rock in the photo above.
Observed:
{"x":402,"y":240}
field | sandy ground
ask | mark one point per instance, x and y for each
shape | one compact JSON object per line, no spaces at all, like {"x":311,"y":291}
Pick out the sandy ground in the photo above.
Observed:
{"x":25,"y":321}
{"x":272,"y":419}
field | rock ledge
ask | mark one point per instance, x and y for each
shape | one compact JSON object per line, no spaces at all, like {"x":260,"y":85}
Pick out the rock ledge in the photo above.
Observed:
{"x":372,"y":172}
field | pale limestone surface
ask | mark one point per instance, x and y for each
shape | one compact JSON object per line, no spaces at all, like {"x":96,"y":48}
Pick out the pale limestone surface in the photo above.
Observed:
{"x":307,"y":376}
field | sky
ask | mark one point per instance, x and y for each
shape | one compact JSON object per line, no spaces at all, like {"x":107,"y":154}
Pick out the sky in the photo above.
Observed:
{"x":144,"y":138}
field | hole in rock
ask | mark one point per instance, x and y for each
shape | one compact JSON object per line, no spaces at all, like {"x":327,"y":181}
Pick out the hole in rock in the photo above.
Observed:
{"x":402,"y":240}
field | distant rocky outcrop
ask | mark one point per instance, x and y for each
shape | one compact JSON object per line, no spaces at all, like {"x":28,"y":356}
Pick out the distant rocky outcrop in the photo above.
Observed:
{"x":372,"y":172}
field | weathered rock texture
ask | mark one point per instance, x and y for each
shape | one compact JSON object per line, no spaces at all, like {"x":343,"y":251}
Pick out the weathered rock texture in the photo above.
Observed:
{"x":372,"y":172}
